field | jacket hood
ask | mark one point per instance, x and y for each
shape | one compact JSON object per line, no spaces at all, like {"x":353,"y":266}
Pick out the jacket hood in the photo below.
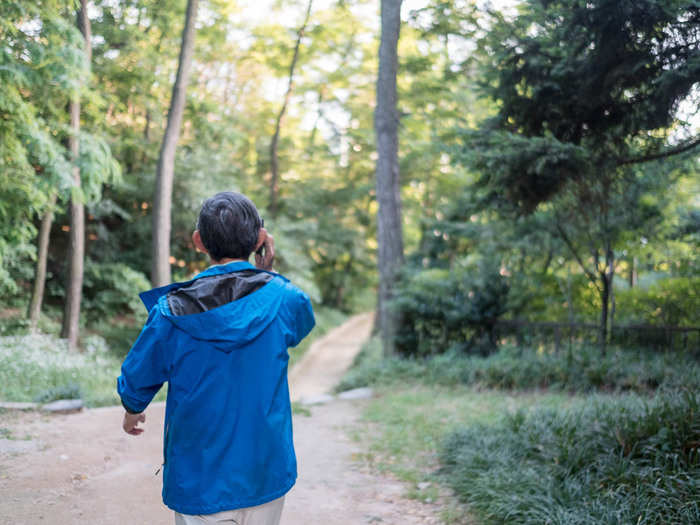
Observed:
{"x":231,"y":325}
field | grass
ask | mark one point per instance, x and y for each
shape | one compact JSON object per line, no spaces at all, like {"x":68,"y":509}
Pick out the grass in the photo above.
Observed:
{"x":584,"y":370}
{"x":300,"y":410}
{"x":403,"y":427}
{"x":539,"y":457}
{"x":537,"y":438}
{"x":626,"y":460}
{"x":40,"y":368}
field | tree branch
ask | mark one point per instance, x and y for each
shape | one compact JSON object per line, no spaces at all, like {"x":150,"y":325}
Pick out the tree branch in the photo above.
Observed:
{"x":687,"y":146}
{"x":569,"y":244}
{"x":274,"y":163}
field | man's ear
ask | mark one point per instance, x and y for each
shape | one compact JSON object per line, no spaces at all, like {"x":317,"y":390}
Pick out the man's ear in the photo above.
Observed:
{"x":198,"y":244}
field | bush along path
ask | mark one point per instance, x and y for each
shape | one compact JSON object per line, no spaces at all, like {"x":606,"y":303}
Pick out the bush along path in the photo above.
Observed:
{"x":82,"y":468}
{"x":626,"y":460}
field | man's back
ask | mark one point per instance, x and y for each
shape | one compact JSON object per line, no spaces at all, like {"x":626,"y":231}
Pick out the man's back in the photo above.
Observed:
{"x":221,"y":342}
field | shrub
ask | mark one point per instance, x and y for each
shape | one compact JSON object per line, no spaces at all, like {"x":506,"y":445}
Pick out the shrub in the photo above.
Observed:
{"x":111,"y":289}
{"x":456,"y":309}
{"x":70,"y":390}
{"x":621,"y":461}
{"x":582,"y":370}
{"x":671,"y":302}
{"x":119,"y":333}
{"x":40,"y":368}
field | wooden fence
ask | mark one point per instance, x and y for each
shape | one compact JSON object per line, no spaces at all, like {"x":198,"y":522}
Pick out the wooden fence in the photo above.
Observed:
{"x":562,"y":335}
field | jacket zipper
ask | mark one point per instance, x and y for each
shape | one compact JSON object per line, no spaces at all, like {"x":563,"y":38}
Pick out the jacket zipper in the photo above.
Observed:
{"x":165,"y":449}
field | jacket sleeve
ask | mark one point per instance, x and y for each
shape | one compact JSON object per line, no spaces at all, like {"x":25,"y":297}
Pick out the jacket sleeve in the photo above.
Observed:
{"x":147,"y":365}
{"x":299,"y":317}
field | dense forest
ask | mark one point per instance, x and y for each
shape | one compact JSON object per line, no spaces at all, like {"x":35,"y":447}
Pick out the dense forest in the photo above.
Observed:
{"x":547,"y":160}
{"x":511,"y":187}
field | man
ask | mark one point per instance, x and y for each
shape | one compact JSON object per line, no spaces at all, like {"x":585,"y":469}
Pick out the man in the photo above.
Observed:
{"x":220,"y":341}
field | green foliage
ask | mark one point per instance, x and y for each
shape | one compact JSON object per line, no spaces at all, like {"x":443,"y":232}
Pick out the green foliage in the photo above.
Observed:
{"x":332,"y":236}
{"x":583,"y":84}
{"x":97,"y":167}
{"x":325,"y":229}
{"x":300,"y":410}
{"x":42,"y":67}
{"x":455,"y":310}
{"x":321,"y":229}
{"x":69,"y":390}
{"x":524,"y":166}
{"x":292,"y":261}
{"x":403,"y":426}
{"x":41,"y":367}
{"x":610,"y":461}
{"x":585,"y":97}
{"x":119,"y":333}
{"x":583,"y":370}
{"x":111,"y":289}
{"x":667,"y":302}
{"x":38,"y":64}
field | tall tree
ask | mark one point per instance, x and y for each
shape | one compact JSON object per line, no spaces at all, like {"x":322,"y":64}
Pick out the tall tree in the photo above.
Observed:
{"x":585,"y":90}
{"x":386,"y":125}
{"x":617,"y":212}
{"x":42,"y":257}
{"x":76,"y":251}
{"x":274,"y":161}
{"x":162,"y":200}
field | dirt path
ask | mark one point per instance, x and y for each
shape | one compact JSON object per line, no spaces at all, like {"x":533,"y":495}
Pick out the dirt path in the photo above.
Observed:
{"x":82,"y":468}
{"x":326,"y":361}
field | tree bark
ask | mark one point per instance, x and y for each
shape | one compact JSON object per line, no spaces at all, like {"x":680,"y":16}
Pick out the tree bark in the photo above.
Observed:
{"x":613,"y":306}
{"x":386,"y":124}
{"x":633,"y":272}
{"x":273,"y":206}
{"x":162,"y":199}
{"x":603,"y":328}
{"x":76,"y":250}
{"x":42,"y":258}
{"x":606,"y":278}
{"x":147,"y":127}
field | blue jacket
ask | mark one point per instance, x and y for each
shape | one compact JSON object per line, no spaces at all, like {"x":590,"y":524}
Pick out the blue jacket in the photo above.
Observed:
{"x":228,"y":422}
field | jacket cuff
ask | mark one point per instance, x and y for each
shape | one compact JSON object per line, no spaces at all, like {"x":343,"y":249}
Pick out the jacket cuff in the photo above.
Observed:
{"x":130,"y":410}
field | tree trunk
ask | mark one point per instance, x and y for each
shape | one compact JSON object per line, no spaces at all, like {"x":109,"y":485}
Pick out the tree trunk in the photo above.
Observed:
{"x":606,"y":277}
{"x":633,"y":272}
{"x":147,"y":127}
{"x":273,"y":207}
{"x":42,"y":257}
{"x":162,"y":199}
{"x":76,"y":253}
{"x":386,"y":124}
{"x":603,"y":328}
{"x":86,"y":30}
{"x":613,"y":307}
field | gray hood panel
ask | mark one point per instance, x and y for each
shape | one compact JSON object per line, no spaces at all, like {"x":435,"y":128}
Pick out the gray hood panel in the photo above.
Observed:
{"x":207,"y":293}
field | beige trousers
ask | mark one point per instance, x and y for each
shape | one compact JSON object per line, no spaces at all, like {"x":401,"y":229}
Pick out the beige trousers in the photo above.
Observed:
{"x":266,"y":514}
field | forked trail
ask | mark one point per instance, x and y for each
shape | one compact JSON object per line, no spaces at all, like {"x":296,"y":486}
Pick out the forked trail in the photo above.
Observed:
{"x":81,"y":468}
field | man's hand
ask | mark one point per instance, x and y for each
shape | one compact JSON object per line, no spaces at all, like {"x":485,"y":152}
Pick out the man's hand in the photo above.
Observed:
{"x":264,"y":261}
{"x":131,"y":422}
